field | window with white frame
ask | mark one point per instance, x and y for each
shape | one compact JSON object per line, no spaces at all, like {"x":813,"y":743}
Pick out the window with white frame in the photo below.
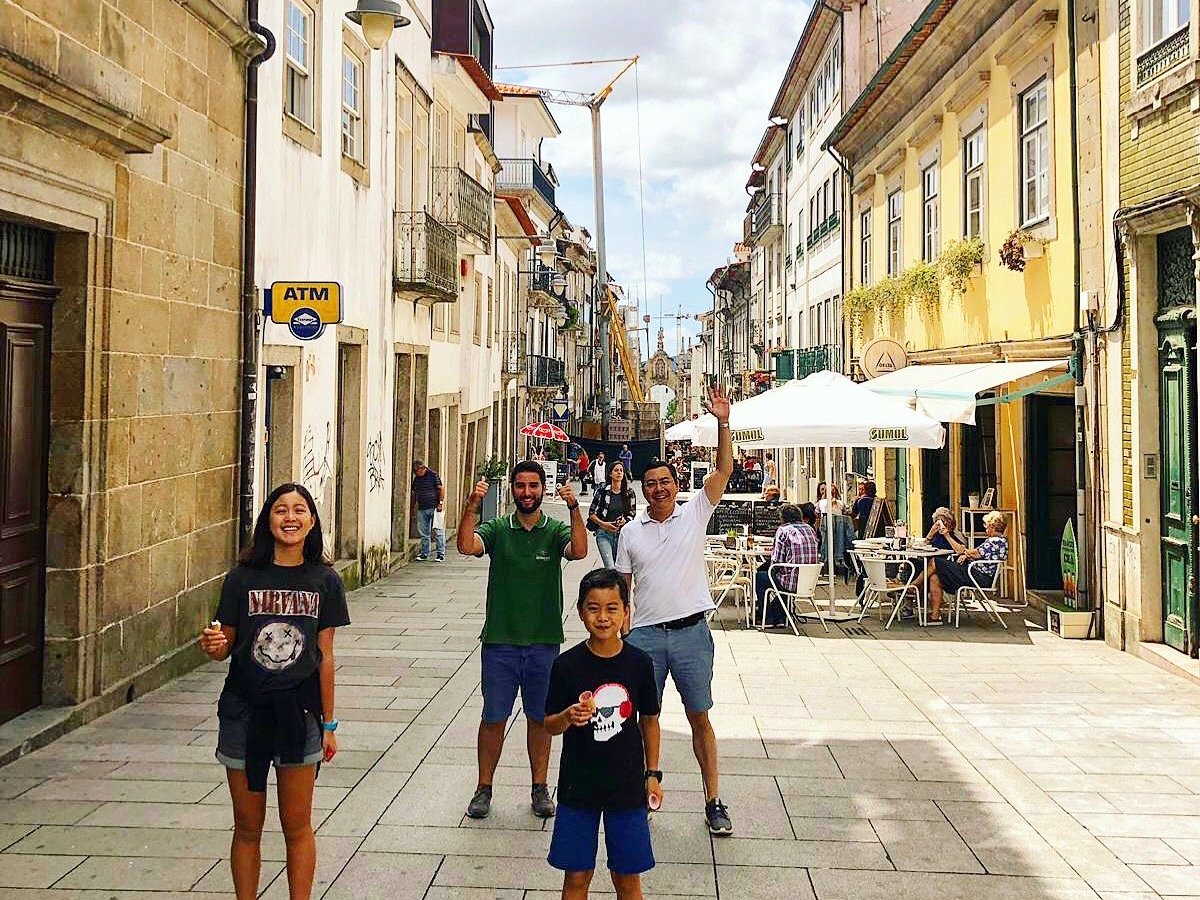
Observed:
{"x":1161,"y":19}
{"x":929,"y":213}
{"x":300,"y":36}
{"x":352,"y":107}
{"x":895,"y":208}
{"x":973,"y":157}
{"x":1035,"y":153}
{"x":864,"y":248}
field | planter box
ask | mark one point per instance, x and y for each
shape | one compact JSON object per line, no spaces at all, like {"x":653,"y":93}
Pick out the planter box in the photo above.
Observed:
{"x":1068,"y":623}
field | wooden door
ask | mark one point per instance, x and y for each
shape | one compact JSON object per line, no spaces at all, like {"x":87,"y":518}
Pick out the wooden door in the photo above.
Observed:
{"x":1177,"y":443}
{"x":1050,"y":483}
{"x":24,"y":420}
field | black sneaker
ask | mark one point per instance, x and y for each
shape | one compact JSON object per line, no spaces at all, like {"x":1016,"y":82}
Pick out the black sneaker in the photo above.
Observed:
{"x":480,"y":806}
{"x":539,"y":799}
{"x":716,"y":814}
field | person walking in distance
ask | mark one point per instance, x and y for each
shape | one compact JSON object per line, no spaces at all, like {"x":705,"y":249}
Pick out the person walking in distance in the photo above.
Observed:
{"x":613,"y":505}
{"x":275,"y":622}
{"x":584,"y":471}
{"x":626,"y":458}
{"x":522,"y":627}
{"x":430,"y":496}
{"x":661,"y":553}
{"x":599,"y":471}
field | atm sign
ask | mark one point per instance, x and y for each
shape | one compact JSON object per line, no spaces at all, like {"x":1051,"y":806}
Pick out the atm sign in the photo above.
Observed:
{"x":322,"y":298}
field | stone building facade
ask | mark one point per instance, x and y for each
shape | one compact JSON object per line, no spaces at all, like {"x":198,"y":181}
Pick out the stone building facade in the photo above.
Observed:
{"x":120,"y":264}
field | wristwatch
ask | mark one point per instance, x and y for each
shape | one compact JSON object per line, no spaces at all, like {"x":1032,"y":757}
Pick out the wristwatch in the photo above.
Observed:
{"x":331,"y":725}
{"x":656,"y":774}
{"x":573,"y":508}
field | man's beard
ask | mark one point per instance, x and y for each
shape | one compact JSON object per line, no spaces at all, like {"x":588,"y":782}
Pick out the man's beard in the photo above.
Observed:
{"x":528,"y":505}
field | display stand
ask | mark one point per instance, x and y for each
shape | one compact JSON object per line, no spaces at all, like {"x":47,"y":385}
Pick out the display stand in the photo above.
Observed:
{"x":970,"y":523}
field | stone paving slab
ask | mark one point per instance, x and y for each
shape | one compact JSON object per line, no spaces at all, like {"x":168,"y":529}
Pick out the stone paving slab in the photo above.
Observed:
{"x":949,"y":763}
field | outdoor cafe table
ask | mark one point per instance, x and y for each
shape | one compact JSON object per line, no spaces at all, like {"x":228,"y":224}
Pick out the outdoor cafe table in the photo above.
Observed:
{"x":916,"y":555}
{"x":748,"y":558}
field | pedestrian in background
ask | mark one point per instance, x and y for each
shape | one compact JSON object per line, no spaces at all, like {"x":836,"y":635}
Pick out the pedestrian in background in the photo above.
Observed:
{"x":585,"y":471}
{"x":275,"y":622}
{"x":522,"y":626}
{"x":430,"y":497}
{"x":599,"y":471}
{"x":604,"y":702}
{"x":613,"y":505}
{"x":626,"y":457}
{"x":661,"y":554}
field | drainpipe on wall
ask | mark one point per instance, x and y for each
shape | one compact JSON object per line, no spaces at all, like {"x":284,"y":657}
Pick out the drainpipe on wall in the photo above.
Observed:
{"x":248,"y":431}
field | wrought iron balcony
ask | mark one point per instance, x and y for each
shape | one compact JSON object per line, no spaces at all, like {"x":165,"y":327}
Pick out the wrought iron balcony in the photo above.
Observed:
{"x":796,"y":364}
{"x":546,"y":287}
{"x":766,"y":219}
{"x":822,"y":231}
{"x":425,"y":254}
{"x":1163,"y":56}
{"x":463,"y":203}
{"x":527,"y":176}
{"x":545,"y":372}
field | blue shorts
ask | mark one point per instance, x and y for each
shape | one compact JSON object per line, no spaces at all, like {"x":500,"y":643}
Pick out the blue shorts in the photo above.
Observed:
{"x":687,"y":653}
{"x":626,"y":837}
{"x":507,"y":668}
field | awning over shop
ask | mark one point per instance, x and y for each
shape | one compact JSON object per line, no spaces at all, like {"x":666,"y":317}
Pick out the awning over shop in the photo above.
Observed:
{"x":949,"y":392}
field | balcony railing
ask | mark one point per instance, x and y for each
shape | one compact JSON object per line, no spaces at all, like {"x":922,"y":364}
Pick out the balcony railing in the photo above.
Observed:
{"x":543,"y":293}
{"x":1163,"y":56}
{"x":425,"y":252}
{"x":462,"y":203}
{"x":756,"y":334}
{"x":822,"y":231}
{"x":525,"y":175}
{"x":796,"y":364}
{"x":766,"y":219}
{"x":512,"y":353}
{"x":545,"y":372}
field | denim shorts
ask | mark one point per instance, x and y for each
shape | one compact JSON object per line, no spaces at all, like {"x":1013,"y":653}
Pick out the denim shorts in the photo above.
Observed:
{"x":687,"y":653}
{"x":626,"y":837}
{"x":233,"y":727}
{"x":507,"y":668}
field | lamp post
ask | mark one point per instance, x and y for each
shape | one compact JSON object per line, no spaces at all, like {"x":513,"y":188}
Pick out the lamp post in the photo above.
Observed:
{"x":378,"y":19}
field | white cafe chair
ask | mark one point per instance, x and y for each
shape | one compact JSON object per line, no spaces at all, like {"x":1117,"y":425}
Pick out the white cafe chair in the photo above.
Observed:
{"x":981,"y":592}
{"x":807,"y":575}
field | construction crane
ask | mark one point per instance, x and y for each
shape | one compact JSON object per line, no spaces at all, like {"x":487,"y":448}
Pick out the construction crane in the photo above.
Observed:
{"x":593,"y":102}
{"x":621,"y":340}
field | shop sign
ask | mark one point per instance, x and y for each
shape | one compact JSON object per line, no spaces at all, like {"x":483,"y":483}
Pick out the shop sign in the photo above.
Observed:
{"x":746,"y":435}
{"x":1068,"y":557}
{"x":888,"y":435}
{"x":305,"y":307}
{"x":881,"y":356}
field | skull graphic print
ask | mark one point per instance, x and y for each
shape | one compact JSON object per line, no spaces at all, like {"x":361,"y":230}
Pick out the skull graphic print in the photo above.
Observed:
{"x":613,"y":708}
{"x":278,"y":645}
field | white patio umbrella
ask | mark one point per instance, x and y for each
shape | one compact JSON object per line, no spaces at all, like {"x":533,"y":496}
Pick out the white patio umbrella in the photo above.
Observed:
{"x":824,"y":410}
{"x":686,"y":430}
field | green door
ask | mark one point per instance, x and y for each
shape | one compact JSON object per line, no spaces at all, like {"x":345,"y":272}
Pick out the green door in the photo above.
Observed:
{"x":1177,"y":439}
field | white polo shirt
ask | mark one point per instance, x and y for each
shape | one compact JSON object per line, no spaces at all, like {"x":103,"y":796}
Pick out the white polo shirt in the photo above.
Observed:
{"x":666,"y":560}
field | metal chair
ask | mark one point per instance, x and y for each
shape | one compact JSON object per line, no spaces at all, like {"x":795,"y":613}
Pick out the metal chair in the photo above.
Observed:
{"x":725,"y":576}
{"x":982,"y":590}
{"x":807,"y":575}
{"x":879,"y":589}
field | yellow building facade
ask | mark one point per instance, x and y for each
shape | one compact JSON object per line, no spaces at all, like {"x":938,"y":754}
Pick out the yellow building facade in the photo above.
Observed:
{"x":961,"y":160}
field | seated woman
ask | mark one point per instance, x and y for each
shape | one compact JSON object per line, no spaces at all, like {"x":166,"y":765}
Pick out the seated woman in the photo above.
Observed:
{"x":943,"y":529}
{"x":795,"y":542}
{"x":950,"y":573}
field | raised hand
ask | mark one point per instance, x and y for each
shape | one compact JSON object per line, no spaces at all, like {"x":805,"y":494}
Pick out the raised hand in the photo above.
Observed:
{"x":478,"y":493}
{"x":718,"y":403}
{"x":567,"y":494}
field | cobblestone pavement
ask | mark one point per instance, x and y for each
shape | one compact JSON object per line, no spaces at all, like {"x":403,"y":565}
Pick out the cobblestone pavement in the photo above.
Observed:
{"x":970,"y":763}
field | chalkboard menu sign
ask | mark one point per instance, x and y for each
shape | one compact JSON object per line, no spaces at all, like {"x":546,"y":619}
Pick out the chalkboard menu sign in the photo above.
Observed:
{"x":699,"y":473}
{"x":731,"y":514}
{"x":766,"y":519}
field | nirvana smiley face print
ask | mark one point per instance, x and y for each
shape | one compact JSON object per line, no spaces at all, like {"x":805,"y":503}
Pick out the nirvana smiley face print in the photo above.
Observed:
{"x":279,"y":644}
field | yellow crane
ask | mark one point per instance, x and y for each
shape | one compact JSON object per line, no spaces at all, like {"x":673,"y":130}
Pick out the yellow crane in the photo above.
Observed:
{"x":621,"y":341}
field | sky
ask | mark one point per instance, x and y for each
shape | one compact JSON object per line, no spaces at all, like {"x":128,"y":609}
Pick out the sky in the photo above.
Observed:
{"x":709,"y":71}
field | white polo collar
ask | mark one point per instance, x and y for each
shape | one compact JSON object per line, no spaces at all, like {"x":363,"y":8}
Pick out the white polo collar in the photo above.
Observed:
{"x":644,"y":516}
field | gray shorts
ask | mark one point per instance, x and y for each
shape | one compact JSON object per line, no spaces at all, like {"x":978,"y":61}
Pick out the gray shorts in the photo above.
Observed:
{"x":234,"y":726}
{"x":687,"y":654}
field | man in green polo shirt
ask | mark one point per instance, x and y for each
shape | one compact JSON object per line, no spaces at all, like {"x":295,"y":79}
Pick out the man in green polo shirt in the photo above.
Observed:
{"x":522,"y":627}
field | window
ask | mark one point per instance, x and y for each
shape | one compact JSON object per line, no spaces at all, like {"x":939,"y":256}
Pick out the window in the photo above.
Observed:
{"x":352,"y":107}
{"x":895,"y":206}
{"x":299,"y":63}
{"x":864,"y":272}
{"x":1035,"y":154}
{"x":1162,"y":18}
{"x":929,"y":213}
{"x":973,"y":184}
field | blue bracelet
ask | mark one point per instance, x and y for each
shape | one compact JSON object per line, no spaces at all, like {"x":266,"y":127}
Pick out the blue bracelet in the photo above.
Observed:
{"x":331,"y":725}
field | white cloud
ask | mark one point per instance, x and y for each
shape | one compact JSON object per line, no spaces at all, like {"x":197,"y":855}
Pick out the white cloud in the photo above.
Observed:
{"x":707,"y":76}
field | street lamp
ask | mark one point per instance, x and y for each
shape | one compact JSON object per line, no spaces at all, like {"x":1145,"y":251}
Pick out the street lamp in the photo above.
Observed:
{"x":378,"y":19}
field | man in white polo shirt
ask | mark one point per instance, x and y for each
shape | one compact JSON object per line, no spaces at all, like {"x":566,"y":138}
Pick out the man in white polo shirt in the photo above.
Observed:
{"x":661,"y":552}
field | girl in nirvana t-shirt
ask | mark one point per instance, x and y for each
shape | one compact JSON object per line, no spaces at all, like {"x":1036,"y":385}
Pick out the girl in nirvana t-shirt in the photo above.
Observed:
{"x":275,"y":623}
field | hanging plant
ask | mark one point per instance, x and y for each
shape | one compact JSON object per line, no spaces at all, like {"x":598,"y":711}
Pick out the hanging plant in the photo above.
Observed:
{"x":958,"y":261}
{"x":891,"y":297}
{"x":857,"y":305}
{"x":1013,"y":253}
{"x":922,"y":285}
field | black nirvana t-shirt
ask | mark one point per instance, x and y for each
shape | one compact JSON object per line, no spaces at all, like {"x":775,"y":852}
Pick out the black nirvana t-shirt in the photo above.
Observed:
{"x":603,"y":763}
{"x":277,"y":611}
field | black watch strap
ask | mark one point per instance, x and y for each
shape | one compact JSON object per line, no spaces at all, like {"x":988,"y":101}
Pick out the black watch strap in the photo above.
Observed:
{"x":655,"y":774}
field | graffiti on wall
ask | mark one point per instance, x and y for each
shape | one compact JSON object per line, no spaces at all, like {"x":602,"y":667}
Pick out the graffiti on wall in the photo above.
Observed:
{"x":316,"y":469}
{"x":376,"y":465}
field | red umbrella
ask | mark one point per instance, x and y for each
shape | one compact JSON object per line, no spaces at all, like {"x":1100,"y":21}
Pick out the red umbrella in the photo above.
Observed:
{"x":546,"y":431}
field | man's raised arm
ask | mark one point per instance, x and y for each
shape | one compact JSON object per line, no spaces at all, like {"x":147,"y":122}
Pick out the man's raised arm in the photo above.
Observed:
{"x":718,"y":479}
{"x":469,"y":542}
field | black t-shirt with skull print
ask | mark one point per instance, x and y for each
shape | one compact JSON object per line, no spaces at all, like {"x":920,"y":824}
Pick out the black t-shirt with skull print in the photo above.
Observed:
{"x":277,"y":611}
{"x":603,"y":763}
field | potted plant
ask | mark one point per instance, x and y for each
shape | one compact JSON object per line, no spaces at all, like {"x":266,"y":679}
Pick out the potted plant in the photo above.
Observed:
{"x":493,"y":471}
{"x":959,"y":261}
{"x":1018,"y":248}
{"x":922,"y":285}
{"x":731,"y":537}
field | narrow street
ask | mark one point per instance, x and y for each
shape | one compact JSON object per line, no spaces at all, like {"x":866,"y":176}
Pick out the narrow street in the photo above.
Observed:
{"x":935,"y":763}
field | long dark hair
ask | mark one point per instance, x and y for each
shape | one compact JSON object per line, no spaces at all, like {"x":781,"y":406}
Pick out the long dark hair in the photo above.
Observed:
{"x":261,"y":551}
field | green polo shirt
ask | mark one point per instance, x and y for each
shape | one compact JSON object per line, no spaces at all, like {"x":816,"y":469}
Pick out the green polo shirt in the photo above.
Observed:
{"x":524,"y":593}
